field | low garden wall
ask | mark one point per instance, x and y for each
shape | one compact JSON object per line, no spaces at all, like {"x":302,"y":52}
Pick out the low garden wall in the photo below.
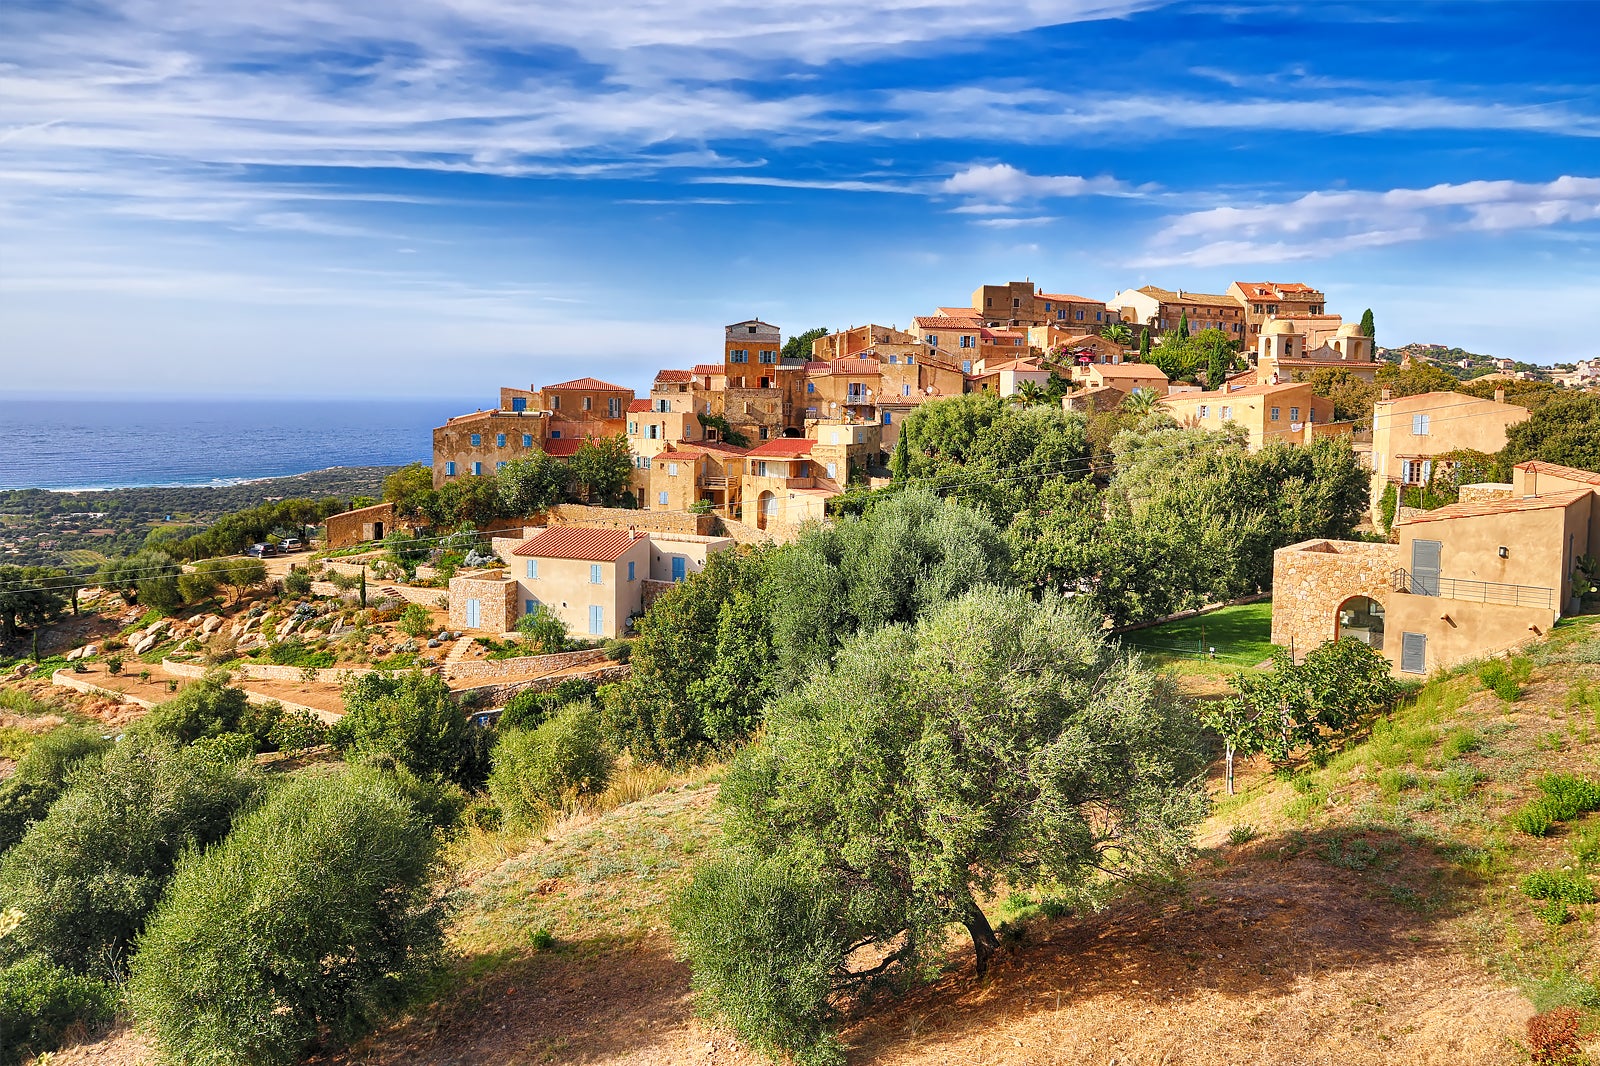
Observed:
{"x":66,"y":680}
{"x":576,"y":514}
{"x":332,"y":675}
{"x":492,"y":669}
{"x":496,"y":695}
{"x":377,"y":589}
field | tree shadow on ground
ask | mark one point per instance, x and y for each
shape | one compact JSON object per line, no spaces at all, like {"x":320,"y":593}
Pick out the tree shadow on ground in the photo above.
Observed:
{"x":1265,"y":931}
{"x":570,"y":1005}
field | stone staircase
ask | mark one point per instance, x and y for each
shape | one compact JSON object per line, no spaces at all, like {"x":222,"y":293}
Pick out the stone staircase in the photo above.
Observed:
{"x":459,"y":652}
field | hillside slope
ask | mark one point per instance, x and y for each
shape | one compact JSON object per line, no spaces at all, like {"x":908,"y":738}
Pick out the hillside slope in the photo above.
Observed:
{"x":1366,"y":912}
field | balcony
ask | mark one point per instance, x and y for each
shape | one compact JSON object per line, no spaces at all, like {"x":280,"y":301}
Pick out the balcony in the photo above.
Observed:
{"x":1454,"y":588}
{"x":711,"y":482}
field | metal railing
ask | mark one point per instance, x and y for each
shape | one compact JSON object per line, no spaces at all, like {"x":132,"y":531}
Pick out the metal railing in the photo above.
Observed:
{"x":1455,"y":588}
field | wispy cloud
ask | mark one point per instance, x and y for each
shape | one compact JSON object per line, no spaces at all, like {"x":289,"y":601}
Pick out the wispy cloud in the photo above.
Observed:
{"x":1321,"y":224}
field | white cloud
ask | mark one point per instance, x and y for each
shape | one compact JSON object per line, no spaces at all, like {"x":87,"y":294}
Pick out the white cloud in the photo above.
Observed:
{"x":1320,"y":224}
{"x":1014,"y":223}
{"x":1004,"y":183}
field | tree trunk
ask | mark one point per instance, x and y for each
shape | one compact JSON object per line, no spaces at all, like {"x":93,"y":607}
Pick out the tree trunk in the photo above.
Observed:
{"x":1230,"y":767}
{"x":984,"y":942}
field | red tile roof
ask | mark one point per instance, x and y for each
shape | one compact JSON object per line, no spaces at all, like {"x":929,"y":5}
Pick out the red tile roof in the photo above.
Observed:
{"x":586,"y":385}
{"x":966,"y":313}
{"x":675,"y":376}
{"x":1571,"y":473}
{"x":783,"y":448}
{"x":1203,"y":299}
{"x":635,"y":406}
{"x":942,"y":322}
{"x":699,"y":448}
{"x":562,"y":447}
{"x":1494,"y":507}
{"x":854,"y":366}
{"x":702,"y":369}
{"x":1127,"y":370}
{"x":1065,"y":297}
{"x":576,"y":542}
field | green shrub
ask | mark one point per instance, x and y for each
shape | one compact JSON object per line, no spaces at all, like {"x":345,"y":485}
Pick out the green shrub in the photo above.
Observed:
{"x":297,"y":582}
{"x":114,"y":664}
{"x":767,"y":943}
{"x":415,"y":621}
{"x":296,"y":731}
{"x":1563,"y":885}
{"x":1586,"y":845}
{"x":542,"y":770}
{"x":619,"y":650}
{"x":40,"y":1002}
{"x":208,"y":708}
{"x":1458,"y":780}
{"x":227,"y":747}
{"x":41,"y":777}
{"x":87,"y":874}
{"x":1504,"y":678}
{"x":296,"y":652}
{"x":1460,"y":741}
{"x":411,"y":720}
{"x":545,"y":633}
{"x":1568,"y":795}
{"x":1534,"y":819}
{"x":316,"y":912}
{"x":526,"y":709}
{"x":1241,"y":834}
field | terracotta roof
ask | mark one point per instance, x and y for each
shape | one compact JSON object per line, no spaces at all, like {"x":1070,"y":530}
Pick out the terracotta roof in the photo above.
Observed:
{"x":562,"y":447}
{"x":1066,"y":297}
{"x":635,"y":406}
{"x":1571,"y":473}
{"x":1208,"y":299}
{"x":1261,"y":390}
{"x":586,"y":385}
{"x":1494,"y":507}
{"x":675,"y":375}
{"x":1014,"y":364}
{"x":854,"y":366}
{"x":1005,"y":334}
{"x":1268,"y":289}
{"x":576,"y":542}
{"x":718,"y":448}
{"x":702,"y":369}
{"x":943,"y":322}
{"x":783,"y":448}
{"x":966,"y":313}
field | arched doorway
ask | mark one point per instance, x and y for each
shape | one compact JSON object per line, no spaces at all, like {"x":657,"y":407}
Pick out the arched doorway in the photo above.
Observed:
{"x":766,"y":509}
{"x":1361,"y":617}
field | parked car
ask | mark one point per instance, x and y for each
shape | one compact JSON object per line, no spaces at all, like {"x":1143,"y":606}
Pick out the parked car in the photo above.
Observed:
{"x":261,"y":551}
{"x":290,"y":544}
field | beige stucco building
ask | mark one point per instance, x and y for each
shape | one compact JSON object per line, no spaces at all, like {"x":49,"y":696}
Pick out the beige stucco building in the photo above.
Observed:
{"x":1289,"y":414}
{"x":1410,"y":433}
{"x":1463,"y":582}
{"x":1126,"y":378}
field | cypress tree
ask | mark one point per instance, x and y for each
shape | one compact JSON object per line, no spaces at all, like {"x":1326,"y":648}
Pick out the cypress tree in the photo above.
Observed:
{"x":1368,"y":329}
{"x":1183,"y":325}
{"x":1144,"y":346}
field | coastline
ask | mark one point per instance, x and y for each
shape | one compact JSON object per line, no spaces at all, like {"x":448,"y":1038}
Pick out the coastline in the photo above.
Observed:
{"x":212,"y":483}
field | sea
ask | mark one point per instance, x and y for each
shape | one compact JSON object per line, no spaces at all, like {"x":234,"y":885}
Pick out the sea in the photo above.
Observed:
{"x":104,"y":444}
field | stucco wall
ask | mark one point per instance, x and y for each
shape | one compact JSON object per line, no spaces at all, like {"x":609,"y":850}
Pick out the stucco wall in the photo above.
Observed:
{"x":1459,"y":631}
{"x":1540,"y":545}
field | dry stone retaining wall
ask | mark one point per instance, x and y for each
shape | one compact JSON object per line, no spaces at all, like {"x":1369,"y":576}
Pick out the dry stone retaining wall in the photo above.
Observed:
{"x":497,"y":695}
{"x":575,"y":514}
{"x":493,"y":669}
{"x":333,"y":675}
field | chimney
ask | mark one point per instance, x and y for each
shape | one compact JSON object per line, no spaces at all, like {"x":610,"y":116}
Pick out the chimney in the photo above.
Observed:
{"x":1500,"y":394}
{"x":1385,"y":394}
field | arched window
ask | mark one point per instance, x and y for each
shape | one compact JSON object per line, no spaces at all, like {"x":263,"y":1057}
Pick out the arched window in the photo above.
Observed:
{"x":1361,"y":617}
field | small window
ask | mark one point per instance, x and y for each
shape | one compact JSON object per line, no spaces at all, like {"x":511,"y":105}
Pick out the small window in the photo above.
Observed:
{"x":555,"y":403}
{"x":499,"y":440}
{"x":662,"y":498}
{"x":1414,"y":653}
{"x":1294,"y":414}
{"x":833,"y":470}
{"x":811,"y":386}
{"x":527,"y":440}
{"x":905,"y":390}
{"x":769,"y":357}
{"x":969,"y":341}
{"x":614,"y":407}
{"x":533,"y":569}
{"x":595,"y":577}
{"x":477,"y":468}
{"x":1227,"y":414}
{"x":529,"y":606}
{"x":1275,"y":411}
{"x":888,"y":419}
{"x":1080,"y":316}
{"x":833,"y":437}
{"x":630,"y":570}
{"x":910,"y":360}
{"x":449,"y":470}
{"x":588,"y":403}
{"x":633,"y":429}
{"x":739,"y":355}
{"x":1205,"y":410}
{"x":933,"y":340}
{"x":519,"y":403}
{"x":500,"y":465}
{"x":672,"y":469}
{"x":597,"y":620}
{"x":477,"y":440}
{"x":1419,"y":425}
{"x":966,"y":366}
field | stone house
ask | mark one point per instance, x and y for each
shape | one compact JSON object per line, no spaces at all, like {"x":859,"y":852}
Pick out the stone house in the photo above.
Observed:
{"x":1265,"y":300}
{"x":1466,"y":581}
{"x":1074,"y":314}
{"x":1161,"y":309}
{"x":782,"y":488}
{"x":1127,"y":378}
{"x":1285,"y":351}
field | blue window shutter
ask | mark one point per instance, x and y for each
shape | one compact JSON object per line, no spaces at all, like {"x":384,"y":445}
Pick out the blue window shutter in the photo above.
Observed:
{"x":476,"y":440}
{"x":477,"y":468}
{"x":527,"y":440}
{"x":630,"y":570}
{"x":597,"y":620}
{"x":594,"y":574}
{"x":679,"y":568}
{"x":450,"y":470}
{"x":529,"y":606}
{"x":499,"y":440}
{"x":663,"y":499}
{"x":519,"y":403}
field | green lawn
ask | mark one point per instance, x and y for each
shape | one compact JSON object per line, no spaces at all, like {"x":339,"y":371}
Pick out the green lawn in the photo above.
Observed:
{"x":1241,"y":634}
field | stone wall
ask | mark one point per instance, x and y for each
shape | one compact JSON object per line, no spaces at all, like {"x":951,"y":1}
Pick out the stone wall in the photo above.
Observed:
{"x":497,"y":695}
{"x":576,"y":514}
{"x":1485,"y":492}
{"x":493,"y":669}
{"x":650,"y":590}
{"x":65,"y":679}
{"x":741,"y":533}
{"x":496,"y":598}
{"x":363,"y":524}
{"x":332,"y":675}
{"x":1311,"y":579}
{"x":376,"y":588}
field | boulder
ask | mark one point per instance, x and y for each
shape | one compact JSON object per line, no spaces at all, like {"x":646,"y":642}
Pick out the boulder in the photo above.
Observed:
{"x":195,"y":620}
{"x":145,"y":645}
{"x":90,"y":649}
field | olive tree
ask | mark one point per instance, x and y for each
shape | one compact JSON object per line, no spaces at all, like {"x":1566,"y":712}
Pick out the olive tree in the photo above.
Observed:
{"x":1000,"y":741}
{"x":315,"y":912}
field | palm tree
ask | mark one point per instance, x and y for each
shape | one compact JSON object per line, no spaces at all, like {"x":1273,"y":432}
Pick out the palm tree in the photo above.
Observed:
{"x":1028,"y":393}
{"x":1120,"y":332}
{"x":1141,"y":402}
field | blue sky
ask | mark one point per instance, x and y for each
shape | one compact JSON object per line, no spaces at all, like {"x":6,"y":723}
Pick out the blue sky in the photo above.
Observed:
{"x":436,"y":197}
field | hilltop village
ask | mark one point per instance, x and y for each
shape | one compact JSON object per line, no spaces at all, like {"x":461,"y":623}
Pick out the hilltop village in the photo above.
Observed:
{"x":753,"y":447}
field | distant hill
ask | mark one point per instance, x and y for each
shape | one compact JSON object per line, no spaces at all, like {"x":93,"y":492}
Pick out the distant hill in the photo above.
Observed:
{"x":1457,"y":361}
